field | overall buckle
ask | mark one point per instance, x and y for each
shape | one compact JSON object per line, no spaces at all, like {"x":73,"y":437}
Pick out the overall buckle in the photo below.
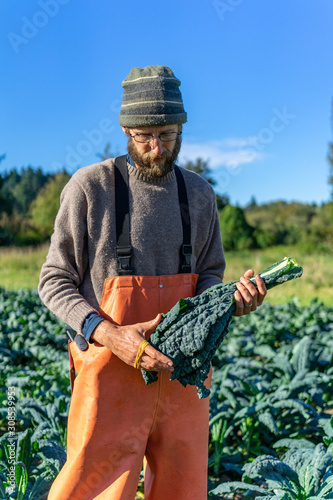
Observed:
{"x":186,"y":251}
{"x":124,"y":255}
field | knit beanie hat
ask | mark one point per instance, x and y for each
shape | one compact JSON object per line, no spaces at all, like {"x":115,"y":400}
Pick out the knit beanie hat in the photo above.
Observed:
{"x":151,"y":98}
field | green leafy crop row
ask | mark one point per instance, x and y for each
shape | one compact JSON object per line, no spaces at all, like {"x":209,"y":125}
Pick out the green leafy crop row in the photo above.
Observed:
{"x":34,"y":372}
{"x":271,"y":431}
{"x":271,"y":404}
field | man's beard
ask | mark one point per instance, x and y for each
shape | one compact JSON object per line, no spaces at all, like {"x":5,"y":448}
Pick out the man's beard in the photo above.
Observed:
{"x":146,"y":162}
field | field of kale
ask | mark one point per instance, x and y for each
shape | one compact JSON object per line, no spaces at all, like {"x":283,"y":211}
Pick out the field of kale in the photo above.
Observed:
{"x":271,"y":424}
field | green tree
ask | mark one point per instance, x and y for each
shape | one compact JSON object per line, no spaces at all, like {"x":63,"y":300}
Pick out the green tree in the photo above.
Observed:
{"x":31,"y":181}
{"x":319,"y":233}
{"x":201,"y":167}
{"x":107,"y":153}
{"x":8,"y":183}
{"x":45,"y":206}
{"x":221,"y":201}
{"x":19,"y":189}
{"x":5,"y":201}
{"x":252,"y":205}
{"x":5,"y":209}
{"x":279,"y":222}
{"x":330,"y":160}
{"x":237,"y":234}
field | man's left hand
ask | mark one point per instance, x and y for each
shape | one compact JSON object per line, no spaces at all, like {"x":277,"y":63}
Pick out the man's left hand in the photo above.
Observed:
{"x":248,"y":296}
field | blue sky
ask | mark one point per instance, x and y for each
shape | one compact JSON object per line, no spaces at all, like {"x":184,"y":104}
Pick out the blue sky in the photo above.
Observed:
{"x":256,"y":78}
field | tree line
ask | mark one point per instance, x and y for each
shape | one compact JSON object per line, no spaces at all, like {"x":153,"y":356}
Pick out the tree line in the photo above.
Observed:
{"x":30,"y":199}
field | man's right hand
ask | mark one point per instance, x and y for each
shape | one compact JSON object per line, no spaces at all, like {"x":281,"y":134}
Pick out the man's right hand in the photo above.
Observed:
{"x":124,"y":342}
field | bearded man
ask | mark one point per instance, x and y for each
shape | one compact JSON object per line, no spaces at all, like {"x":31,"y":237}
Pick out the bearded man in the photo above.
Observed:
{"x":132,"y":236}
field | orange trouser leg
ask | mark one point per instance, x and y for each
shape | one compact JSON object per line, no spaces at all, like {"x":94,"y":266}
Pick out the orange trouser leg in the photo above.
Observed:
{"x":111,"y":415}
{"x":177,"y":450}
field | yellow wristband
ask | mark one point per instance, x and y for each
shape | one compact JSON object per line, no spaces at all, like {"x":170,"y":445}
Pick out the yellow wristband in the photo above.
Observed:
{"x":141,"y":350}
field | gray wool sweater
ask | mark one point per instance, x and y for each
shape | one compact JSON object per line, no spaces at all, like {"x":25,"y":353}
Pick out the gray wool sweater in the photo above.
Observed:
{"x":81,"y":254}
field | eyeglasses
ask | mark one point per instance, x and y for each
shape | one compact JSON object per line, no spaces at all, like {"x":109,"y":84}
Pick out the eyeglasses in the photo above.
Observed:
{"x":164,"y":137}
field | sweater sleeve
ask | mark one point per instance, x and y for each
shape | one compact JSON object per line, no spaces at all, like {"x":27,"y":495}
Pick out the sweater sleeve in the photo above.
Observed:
{"x":211,"y":262}
{"x":67,"y":259}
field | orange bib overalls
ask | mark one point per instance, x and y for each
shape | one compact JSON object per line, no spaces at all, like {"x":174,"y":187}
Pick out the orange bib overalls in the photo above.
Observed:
{"x":115,"y":420}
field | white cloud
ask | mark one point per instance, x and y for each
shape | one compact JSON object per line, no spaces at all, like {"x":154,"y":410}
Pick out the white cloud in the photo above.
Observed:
{"x":229,"y":152}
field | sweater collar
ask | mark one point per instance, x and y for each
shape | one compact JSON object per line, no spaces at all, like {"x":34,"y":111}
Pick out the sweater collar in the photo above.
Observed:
{"x":135,"y":172}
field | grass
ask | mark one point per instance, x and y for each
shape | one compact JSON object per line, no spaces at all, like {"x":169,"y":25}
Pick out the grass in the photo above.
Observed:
{"x":20,"y":268}
{"x":316,"y":282}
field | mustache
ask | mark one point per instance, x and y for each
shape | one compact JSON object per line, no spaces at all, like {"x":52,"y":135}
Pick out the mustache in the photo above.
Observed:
{"x":152,"y":156}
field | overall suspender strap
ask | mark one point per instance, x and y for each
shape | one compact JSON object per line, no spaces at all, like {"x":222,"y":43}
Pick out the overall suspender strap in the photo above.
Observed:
{"x":186,"y":248}
{"x":124,"y":250}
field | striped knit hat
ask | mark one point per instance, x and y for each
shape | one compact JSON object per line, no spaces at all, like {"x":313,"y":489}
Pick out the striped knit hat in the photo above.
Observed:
{"x":151,"y":98}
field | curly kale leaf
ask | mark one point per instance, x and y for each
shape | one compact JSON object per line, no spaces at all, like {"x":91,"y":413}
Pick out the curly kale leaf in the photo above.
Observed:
{"x":193,"y":329}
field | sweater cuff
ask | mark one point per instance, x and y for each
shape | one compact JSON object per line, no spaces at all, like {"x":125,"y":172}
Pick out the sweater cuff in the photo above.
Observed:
{"x":92,"y":320}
